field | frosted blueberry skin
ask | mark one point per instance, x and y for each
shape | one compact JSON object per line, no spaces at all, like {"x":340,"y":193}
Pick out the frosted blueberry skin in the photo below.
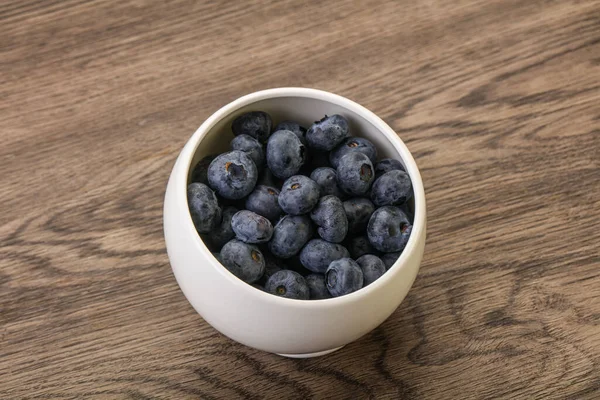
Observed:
{"x":243,"y":260}
{"x":327,"y":133}
{"x":391,"y":189}
{"x":204,"y":207}
{"x":372,"y":267}
{"x":252,"y":147}
{"x":389,"y":229}
{"x":343,"y":276}
{"x":355,"y":174}
{"x":318,"y":254}
{"x":285,"y":154}
{"x":254,"y":123}
{"x":330,"y":218}
{"x":290,"y":234}
{"x":264,"y":200}
{"x":350,"y":145}
{"x":288,"y":284}
{"x":232,"y":175}
{"x":299,"y":195}
{"x":250,"y":227}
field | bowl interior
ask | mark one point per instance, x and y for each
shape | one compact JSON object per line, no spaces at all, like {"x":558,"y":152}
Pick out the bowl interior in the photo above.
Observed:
{"x":303,"y":110}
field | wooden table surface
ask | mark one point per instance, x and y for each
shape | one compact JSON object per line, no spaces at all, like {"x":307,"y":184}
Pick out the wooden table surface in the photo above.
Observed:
{"x":499,"y":101}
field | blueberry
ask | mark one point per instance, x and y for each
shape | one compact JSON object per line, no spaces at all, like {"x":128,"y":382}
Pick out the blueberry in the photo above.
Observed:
{"x":343,"y":276}
{"x":326,"y":178}
{"x":330,"y":217}
{"x":389,"y":229}
{"x":392,"y":188}
{"x":359,"y":246}
{"x":285,"y":154}
{"x":223,"y":232}
{"x":372,"y":268}
{"x":390,"y":258}
{"x":318,"y":254}
{"x":317,"y":287}
{"x":295,"y":127}
{"x":355,"y":173}
{"x":255,"y":123}
{"x":264,"y":200}
{"x":289,"y":284}
{"x":327,"y":133}
{"x":250,"y":146}
{"x":299,"y":194}
{"x":387,"y":165}
{"x":204,"y":207}
{"x":358,"y":210}
{"x":350,"y":145}
{"x":243,"y":260}
{"x":249,"y":227}
{"x":289,"y":235}
{"x":200,"y":171}
{"x":232,"y":175}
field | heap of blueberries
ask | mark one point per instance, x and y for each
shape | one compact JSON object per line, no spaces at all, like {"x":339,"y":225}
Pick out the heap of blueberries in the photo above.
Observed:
{"x":303,"y":214}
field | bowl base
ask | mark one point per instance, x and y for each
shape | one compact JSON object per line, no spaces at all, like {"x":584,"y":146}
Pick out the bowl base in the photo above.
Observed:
{"x":309,"y":355}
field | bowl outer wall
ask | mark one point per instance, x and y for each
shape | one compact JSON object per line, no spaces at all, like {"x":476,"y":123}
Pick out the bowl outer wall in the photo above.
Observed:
{"x":268,"y":322}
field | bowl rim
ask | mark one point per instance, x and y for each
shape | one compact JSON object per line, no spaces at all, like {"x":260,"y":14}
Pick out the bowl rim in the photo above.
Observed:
{"x":183,"y":166}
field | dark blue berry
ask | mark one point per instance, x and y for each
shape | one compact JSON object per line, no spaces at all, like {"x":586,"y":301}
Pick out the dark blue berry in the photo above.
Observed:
{"x":387,"y":165}
{"x":390,"y":259}
{"x":358,"y":210}
{"x":243,"y":260}
{"x":285,"y":154}
{"x":343,"y":276}
{"x":264,"y":200}
{"x":330,"y":217}
{"x":359,"y":246}
{"x":289,"y":235}
{"x":355,"y":173}
{"x":295,"y":127}
{"x":223,"y":232}
{"x":389,"y":229}
{"x":392,"y":188}
{"x":317,"y":287}
{"x":318,"y":254}
{"x":327,"y":133}
{"x":289,"y":284}
{"x":250,"y":146}
{"x":372,"y":268}
{"x":351,"y":145}
{"x":249,"y":227}
{"x":200,"y":171}
{"x":326,"y":178}
{"x":299,"y":194}
{"x":255,"y":123}
{"x":204,"y":207}
{"x":232,"y":175}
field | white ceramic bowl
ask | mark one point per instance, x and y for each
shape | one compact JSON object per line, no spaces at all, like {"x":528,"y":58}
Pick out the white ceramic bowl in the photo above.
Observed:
{"x":293,"y":328}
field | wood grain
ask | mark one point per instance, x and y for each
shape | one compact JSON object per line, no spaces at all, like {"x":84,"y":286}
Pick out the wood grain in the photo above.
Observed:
{"x":499,"y":101}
